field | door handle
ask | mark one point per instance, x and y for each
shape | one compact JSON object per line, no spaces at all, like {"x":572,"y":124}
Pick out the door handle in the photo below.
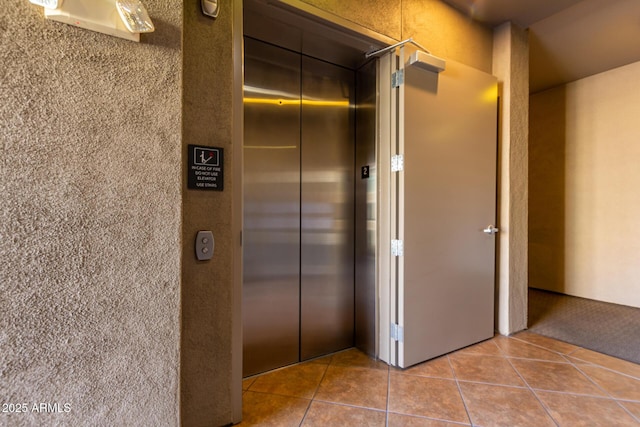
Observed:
{"x":490,"y":229}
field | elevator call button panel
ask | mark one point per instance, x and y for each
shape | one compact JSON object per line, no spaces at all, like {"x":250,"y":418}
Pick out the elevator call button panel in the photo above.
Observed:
{"x":204,"y":245}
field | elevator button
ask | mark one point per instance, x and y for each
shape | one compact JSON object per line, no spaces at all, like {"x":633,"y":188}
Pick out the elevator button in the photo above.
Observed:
{"x":204,"y":245}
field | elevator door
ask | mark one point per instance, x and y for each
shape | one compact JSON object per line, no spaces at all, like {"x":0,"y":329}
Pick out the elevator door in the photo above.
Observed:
{"x":298,"y":291}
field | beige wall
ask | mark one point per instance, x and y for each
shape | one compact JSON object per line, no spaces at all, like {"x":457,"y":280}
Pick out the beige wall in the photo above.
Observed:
{"x":584,"y":234}
{"x":90,"y":220}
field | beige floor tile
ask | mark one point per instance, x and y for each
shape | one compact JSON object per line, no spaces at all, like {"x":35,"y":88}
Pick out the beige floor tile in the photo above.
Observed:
{"x":351,"y":389}
{"x":261,"y":409}
{"x":547,"y":343}
{"x":323,"y":414}
{"x":399,"y":420}
{"x":437,"y":368}
{"x":488,"y":369}
{"x":354,"y":358}
{"x":613,"y":363}
{"x":354,"y":386}
{"x":633,"y":407}
{"x":584,"y":411}
{"x":618,"y":385}
{"x":516,"y":348}
{"x":298,"y":381}
{"x":428,"y":397}
{"x":487,"y":348}
{"x":552,"y":376}
{"x":493,"y":405}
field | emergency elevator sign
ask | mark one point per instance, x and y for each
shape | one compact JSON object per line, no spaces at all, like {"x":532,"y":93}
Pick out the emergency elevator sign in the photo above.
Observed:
{"x":205,"y":168}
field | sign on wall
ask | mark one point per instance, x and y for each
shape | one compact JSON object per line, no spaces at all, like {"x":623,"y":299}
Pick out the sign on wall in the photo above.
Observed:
{"x":205,"y":168}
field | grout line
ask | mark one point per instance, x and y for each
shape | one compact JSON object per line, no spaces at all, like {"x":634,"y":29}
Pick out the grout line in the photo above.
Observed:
{"x":305,"y":413}
{"x":464,"y":403}
{"x":502,"y":352}
{"x":542,"y":347}
{"x":534,"y":394}
{"x":441,"y":420}
{"x":580,"y":395}
{"x":592,"y":381}
{"x":388,"y":395}
{"x":558,"y":362}
{"x":520,"y":387}
{"x":349,"y":405}
{"x":315,"y":393}
{"x":598,"y":365}
{"x":271,"y":393}
{"x":627,"y":410}
{"x":574,"y":350}
{"x":324,"y":374}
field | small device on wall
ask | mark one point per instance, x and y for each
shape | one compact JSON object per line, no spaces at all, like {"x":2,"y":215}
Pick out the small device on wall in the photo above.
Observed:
{"x":204,"y":245}
{"x":210,"y":7}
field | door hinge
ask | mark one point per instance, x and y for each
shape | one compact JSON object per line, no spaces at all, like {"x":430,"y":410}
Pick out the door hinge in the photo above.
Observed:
{"x":397,"y":248}
{"x":397,"y":163}
{"x":397,"y":79}
{"x":397,"y":332}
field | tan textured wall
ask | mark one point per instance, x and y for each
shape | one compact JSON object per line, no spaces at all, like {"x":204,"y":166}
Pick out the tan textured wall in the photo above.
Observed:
{"x":584,"y":230}
{"x":383,"y":17}
{"x":511,"y":66}
{"x":90,"y":220}
{"x":447,"y":33}
{"x":437,"y":26}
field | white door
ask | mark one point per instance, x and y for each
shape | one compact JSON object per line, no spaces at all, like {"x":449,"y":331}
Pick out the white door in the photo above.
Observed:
{"x":446,"y":211}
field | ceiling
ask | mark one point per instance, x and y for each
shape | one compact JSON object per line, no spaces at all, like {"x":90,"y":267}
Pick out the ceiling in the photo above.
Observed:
{"x":569,"y":39}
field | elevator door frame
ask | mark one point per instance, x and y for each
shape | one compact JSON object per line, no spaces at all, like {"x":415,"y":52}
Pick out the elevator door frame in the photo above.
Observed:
{"x":363,"y":40}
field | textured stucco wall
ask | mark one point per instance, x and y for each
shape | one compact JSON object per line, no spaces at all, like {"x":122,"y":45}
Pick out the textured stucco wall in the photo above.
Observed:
{"x":584,"y":230}
{"x":511,"y":66}
{"x":437,"y":26}
{"x":447,"y":33}
{"x":90,"y":220}
{"x":383,"y":17}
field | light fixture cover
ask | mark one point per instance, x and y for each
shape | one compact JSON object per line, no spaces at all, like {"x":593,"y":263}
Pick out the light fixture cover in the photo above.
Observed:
{"x":135,"y":16}
{"x":49,"y":4}
{"x":120,"y":18}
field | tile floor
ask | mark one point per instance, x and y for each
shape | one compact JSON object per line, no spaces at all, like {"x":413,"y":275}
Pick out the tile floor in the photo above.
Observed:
{"x":524,"y":380}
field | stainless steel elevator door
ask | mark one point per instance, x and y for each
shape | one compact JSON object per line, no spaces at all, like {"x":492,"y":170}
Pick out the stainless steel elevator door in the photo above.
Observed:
{"x":327,"y":252}
{"x":298,"y":290}
{"x":271,"y":234}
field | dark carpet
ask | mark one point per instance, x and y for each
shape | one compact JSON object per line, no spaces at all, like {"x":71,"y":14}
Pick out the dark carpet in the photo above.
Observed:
{"x":603,"y":327}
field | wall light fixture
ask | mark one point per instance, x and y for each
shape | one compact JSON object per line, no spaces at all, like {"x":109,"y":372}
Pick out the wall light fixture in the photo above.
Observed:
{"x":120,"y":18}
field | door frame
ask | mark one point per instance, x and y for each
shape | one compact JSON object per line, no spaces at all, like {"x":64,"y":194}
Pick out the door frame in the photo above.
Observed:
{"x":357,"y":35}
{"x":357,"y":32}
